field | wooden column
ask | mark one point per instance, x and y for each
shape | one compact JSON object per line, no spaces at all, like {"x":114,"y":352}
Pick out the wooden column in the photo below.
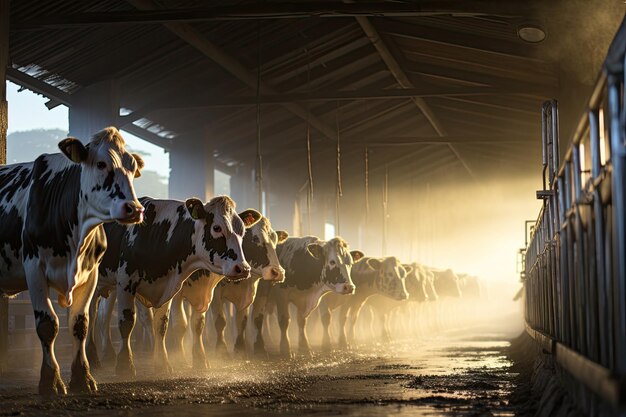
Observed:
{"x":191,"y":167}
{"x":4,"y":124}
{"x":242,"y":189}
{"x":94,"y":108}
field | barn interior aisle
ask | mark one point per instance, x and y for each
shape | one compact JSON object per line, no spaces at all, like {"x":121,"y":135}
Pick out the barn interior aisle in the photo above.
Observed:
{"x":465,"y":369}
{"x":246,"y":207}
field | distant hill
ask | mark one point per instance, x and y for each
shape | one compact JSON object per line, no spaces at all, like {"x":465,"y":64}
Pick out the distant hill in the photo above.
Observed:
{"x":28,"y":145}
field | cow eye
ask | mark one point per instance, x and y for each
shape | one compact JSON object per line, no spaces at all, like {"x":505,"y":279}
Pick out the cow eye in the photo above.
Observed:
{"x":217,"y":229}
{"x":256,"y":239}
{"x":332,"y":263}
{"x":101,"y":165}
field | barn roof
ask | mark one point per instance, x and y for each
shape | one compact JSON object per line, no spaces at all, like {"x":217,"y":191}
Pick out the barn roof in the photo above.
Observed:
{"x":431,"y":88}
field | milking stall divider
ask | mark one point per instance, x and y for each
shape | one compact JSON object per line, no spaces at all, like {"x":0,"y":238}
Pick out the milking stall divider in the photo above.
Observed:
{"x":575,"y":264}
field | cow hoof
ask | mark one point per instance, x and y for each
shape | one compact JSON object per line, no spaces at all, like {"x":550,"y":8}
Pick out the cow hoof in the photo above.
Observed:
{"x":306,"y":352}
{"x":240,"y":346}
{"x":86,"y":385}
{"x":52,"y":386}
{"x":163,"y":368}
{"x":127,"y":371}
{"x":285,"y":354}
{"x":200,"y":363}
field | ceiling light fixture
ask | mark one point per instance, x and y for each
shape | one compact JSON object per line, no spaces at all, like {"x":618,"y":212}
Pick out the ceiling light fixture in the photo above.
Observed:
{"x":531,"y":33}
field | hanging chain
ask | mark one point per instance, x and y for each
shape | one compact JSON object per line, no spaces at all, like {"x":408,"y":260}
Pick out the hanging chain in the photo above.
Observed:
{"x":308,"y":140}
{"x":385,"y":208}
{"x":367,"y":184}
{"x":339,"y":190}
{"x":259,"y":162}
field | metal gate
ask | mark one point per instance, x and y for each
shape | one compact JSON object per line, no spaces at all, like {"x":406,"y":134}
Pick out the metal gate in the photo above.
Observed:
{"x":575,"y":263}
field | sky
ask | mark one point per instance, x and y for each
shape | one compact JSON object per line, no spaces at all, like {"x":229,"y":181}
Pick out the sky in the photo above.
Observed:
{"x":27,"y":111}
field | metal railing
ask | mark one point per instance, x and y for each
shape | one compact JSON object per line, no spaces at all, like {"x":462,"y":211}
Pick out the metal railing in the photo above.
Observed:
{"x":575,"y":263}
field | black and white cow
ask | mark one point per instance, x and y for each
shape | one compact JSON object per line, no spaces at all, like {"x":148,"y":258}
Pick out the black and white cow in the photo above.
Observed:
{"x":150,"y":261}
{"x":446,"y":283}
{"x":373,"y":277}
{"x":51,"y":237}
{"x":313,"y":268}
{"x":259,"y":248}
{"x":420,"y":287}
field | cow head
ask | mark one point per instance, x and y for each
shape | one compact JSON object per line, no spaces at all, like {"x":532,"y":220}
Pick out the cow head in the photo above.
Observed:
{"x":259,"y":246}
{"x":337,"y":261}
{"x":219,"y":235}
{"x":415,"y":283}
{"x":447,"y":283}
{"x":428,"y":279}
{"x":390,"y":277}
{"x":107,"y":173}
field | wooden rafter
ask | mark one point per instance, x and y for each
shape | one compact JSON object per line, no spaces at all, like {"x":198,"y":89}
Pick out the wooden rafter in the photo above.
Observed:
{"x":404,"y":82}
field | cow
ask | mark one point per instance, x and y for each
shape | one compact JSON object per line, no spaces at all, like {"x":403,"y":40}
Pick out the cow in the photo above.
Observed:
{"x":470,"y":286}
{"x":51,"y":237}
{"x":373,"y":277}
{"x":151,"y":261}
{"x":446,"y":283}
{"x":419,"y":286}
{"x":259,"y":248}
{"x":313,"y":268}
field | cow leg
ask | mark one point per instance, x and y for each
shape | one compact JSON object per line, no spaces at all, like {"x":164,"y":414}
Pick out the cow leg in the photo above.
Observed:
{"x":145,"y":316}
{"x":325,"y":317}
{"x":47,"y":324}
{"x":351,"y":321}
{"x":282,"y":311}
{"x":197,"y":327}
{"x":241,"y":318}
{"x":179,"y":327}
{"x":303,"y":343}
{"x":81,"y":380}
{"x":384,"y":322}
{"x":161,"y":320}
{"x":258,"y":316}
{"x":344,"y":312}
{"x":105,"y":313}
{"x":219,"y":322}
{"x":125,"y":366}
{"x":92,"y":351}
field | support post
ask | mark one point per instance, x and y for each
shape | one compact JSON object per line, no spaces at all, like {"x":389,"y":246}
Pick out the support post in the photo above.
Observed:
{"x":4,"y":124}
{"x":94,"y":108}
{"x":191,"y":167}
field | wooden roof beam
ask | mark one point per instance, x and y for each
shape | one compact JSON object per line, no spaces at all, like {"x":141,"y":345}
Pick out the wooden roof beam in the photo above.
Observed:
{"x":322,"y":96}
{"x":280,"y":10}
{"x":39,"y":87}
{"x":404,"y":82}
{"x":197,"y":40}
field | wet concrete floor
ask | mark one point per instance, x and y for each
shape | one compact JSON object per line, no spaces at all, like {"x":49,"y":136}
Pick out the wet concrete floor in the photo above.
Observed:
{"x":465,"y":374}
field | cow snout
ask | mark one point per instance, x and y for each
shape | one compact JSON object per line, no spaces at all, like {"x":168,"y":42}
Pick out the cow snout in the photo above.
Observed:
{"x":347,"y":288}
{"x":129,"y":212}
{"x":274,"y":274}
{"x":239,"y":271}
{"x":403,"y":296}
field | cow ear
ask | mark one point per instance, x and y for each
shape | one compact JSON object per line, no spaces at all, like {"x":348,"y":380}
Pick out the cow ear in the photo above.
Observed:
{"x":282,"y":235}
{"x":356,"y":255}
{"x":374,"y":263}
{"x":140,"y":164}
{"x":408,"y":269}
{"x":195,"y":208}
{"x":250,"y":217}
{"x":316,"y":250}
{"x":73,"y":149}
